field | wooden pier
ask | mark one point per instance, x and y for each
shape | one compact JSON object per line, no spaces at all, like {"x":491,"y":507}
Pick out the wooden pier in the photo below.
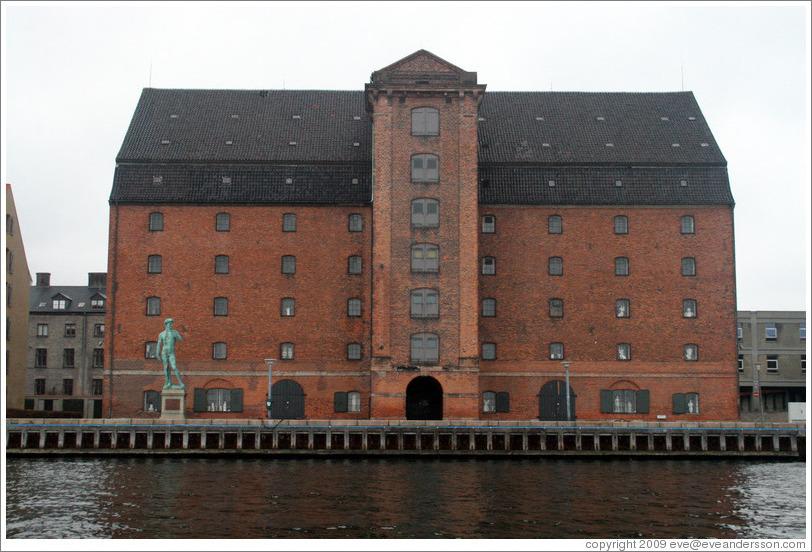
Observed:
{"x":393,"y":437}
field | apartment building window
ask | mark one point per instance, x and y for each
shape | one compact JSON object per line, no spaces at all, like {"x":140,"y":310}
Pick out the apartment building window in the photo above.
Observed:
{"x":488,"y":265}
{"x":354,"y":351}
{"x":556,"y":351}
{"x":425,"y":168}
{"x":687,"y":224}
{"x":156,"y":222}
{"x":425,"y":303}
{"x":68,"y":358}
{"x":287,"y":351}
{"x":770,"y":331}
{"x":41,"y":358}
{"x":624,"y":351}
{"x":354,"y":265}
{"x":98,"y":330}
{"x":425,"y":348}
{"x":489,"y":351}
{"x":425,"y":121}
{"x":59,"y":303}
{"x":152,"y":401}
{"x":624,"y":401}
{"x":154,"y":264}
{"x":621,"y":224}
{"x":289,"y":222}
{"x":96,"y":387}
{"x":354,"y":307}
{"x":153,"y":306}
{"x":288,"y":264}
{"x":688,"y":308}
{"x":556,"y":308}
{"x":151,"y":349}
{"x":621,"y":266}
{"x":425,"y":213}
{"x":691,"y":352}
{"x":555,"y":224}
{"x":355,"y":223}
{"x":802,"y":331}
{"x":67,"y":387}
{"x":70,"y":330}
{"x":772,"y":364}
{"x":220,"y":306}
{"x":347,"y":401}
{"x":288,"y":306}
{"x":42,"y":330}
{"x":39,"y":386}
{"x":741,"y":363}
{"x":219,"y":351}
{"x":98,"y":358}
{"x":221,"y":264}
{"x":222,"y":222}
{"x":97,"y":302}
{"x":803,"y":364}
{"x":739,"y":331}
{"x":686,"y":403}
{"x":555,"y":266}
{"x":489,"y":307}
{"x":688,"y":266}
{"x":488,"y":224}
{"x":622,"y":308}
{"x":425,"y":257}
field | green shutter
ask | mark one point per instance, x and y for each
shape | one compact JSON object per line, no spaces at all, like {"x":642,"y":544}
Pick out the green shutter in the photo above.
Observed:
{"x":236,"y":400}
{"x":200,"y":400}
{"x":642,"y":401}
{"x":679,"y":403}
{"x":503,"y":401}
{"x":340,"y":399}
{"x":606,"y":401}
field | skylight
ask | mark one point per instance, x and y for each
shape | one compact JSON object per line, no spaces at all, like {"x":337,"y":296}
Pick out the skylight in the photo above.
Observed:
{"x":618,"y":183}
{"x":226,"y":180}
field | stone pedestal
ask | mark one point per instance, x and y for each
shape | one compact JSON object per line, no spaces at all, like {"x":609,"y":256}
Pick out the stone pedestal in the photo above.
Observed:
{"x":173,"y":404}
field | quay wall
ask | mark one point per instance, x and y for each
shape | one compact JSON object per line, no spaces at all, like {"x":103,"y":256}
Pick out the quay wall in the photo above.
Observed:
{"x":400,"y":437}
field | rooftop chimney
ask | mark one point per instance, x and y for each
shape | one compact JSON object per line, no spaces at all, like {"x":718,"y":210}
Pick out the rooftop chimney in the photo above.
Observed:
{"x":43,"y":279}
{"x":96,"y":279}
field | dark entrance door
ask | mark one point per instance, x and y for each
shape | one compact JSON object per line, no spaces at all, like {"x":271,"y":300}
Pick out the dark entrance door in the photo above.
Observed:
{"x":424,"y":399}
{"x":288,"y":400}
{"x":553,"y":401}
{"x":97,"y":409}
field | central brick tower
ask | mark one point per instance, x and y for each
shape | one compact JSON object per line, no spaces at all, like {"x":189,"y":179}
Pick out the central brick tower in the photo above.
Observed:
{"x":425,"y":343}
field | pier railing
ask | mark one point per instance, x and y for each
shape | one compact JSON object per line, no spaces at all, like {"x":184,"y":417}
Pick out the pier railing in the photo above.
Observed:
{"x":400,"y":437}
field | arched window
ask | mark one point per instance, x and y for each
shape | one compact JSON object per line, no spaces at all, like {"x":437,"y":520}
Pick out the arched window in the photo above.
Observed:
{"x":624,"y":351}
{"x":218,"y":351}
{"x":425,"y":168}
{"x":425,"y":303}
{"x":425,"y":257}
{"x":287,"y":351}
{"x":425,"y":348}
{"x":556,"y":266}
{"x":221,"y":264}
{"x":425,"y":213}
{"x":425,"y":121}
{"x":220,"y":306}
{"x":556,"y":308}
{"x":621,"y":266}
{"x":488,"y":265}
{"x":156,"y":222}
{"x":153,"y":306}
{"x":555,"y":224}
{"x":222,"y":222}
{"x":355,"y":223}
{"x":622,"y":308}
{"x":288,"y":306}
{"x":687,"y":224}
{"x":488,"y":224}
{"x":489,"y":307}
{"x":288,"y":264}
{"x":154,"y":264}
{"x":688,"y":266}
{"x":689,"y":308}
{"x":621,"y":224}
{"x":289,"y":222}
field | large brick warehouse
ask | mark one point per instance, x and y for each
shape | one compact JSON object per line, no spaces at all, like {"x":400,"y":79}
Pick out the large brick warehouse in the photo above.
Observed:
{"x":423,"y":249}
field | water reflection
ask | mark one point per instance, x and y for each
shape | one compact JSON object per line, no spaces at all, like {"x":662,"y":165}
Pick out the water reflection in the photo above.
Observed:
{"x":402,"y":498}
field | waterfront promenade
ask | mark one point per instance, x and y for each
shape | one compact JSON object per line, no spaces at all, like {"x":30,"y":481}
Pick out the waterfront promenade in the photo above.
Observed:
{"x":401,"y":437}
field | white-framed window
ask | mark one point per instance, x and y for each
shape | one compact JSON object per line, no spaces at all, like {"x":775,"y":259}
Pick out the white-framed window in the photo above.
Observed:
{"x":689,"y":308}
{"x":425,"y":303}
{"x":489,"y":307}
{"x":621,"y":266}
{"x":687,"y":224}
{"x":555,"y":266}
{"x":59,"y":303}
{"x":288,"y":307}
{"x":688,"y":266}
{"x":425,"y":213}
{"x":425,"y":257}
{"x":556,"y":351}
{"x":70,"y":329}
{"x":691,"y":352}
{"x":219,"y":351}
{"x":289,"y":222}
{"x":425,"y":348}
{"x":425,"y":168}
{"x":624,"y":351}
{"x":153,"y":306}
{"x":802,"y":331}
{"x":42,"y":330}
{"x":488,"y":265}
{"x":741,"y":363}
{"x":622,"y":308}
{"x":621,"y":224}
{"x":286,"y":351}
{"x":555,"y":224}
{"x":770,"y":331}
{"x":739,"y":331}
{"x":488,"y":224}
{"x":425,"y":121}
{"x":489,"y":351}
{"x":772,"y":364}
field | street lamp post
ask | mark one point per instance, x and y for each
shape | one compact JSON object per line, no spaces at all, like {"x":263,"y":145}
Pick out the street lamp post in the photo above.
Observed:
{"x":567,"y":365}
{"x":268,"y":401}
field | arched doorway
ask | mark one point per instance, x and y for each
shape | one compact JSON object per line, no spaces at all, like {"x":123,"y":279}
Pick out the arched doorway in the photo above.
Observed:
{"x":424,"y":399}
{"x":553,"y":401}
{"x":288,"y":400}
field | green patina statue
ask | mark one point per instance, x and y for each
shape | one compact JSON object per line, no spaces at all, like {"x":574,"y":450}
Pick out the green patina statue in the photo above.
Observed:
{"x":166,"y":353}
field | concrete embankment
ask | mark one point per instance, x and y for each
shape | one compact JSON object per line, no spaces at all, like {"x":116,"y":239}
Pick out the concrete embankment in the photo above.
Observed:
{"x":402,"y":437}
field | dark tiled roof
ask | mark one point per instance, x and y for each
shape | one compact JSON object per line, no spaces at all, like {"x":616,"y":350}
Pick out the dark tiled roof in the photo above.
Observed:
{"x":41,"y":299}
{"x":199,"y":183}
{"x":598,"y":185}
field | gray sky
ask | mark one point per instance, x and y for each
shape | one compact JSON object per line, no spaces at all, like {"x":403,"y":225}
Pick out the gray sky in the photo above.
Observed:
{"x":72,"y":75}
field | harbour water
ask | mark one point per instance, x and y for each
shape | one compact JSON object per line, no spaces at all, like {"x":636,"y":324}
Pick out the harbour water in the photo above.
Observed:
{"x":166,"y":497}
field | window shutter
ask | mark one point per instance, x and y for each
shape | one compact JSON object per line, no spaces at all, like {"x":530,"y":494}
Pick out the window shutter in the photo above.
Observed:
{"x":679,"y":403}
{"x":606,"y":401}
{"x":340,"y":399}
{"x":642,"y":401}
{"x":200,"y":400}
{"x":236,"y":400}
{"x":503,"y":401}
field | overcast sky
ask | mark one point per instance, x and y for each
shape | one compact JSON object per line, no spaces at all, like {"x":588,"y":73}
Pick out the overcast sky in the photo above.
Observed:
{"x":72,"y":75}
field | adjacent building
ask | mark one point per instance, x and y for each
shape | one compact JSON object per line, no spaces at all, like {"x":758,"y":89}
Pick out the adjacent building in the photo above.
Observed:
{"x":772,"y":362}
{"x":424,"y":249}
{"x":66,"y":346}
{"x":18,"y":281}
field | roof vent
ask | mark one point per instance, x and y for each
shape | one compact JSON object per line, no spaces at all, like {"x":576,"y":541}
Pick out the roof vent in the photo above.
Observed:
{"x":480,"y":119}
{"x":229,"y":143}
{"x":288,"y":181}
{"x":235,"y":116}
{"x":157,"y":179}
{"x":609,"y":145}
{"x":356,"y":117}
{"x":683,"y":182}
{"x":664,"y":118}
{"x":705,"y":145}
{"x":545,"y":145}
{"x":355,"y":181}
{"x":164,"y":142}
{"x":173,"y":116}
{"x":226,"y":180}
{"x":551,"y":183}
{"x":618,"y":183}
{"x":356,"y":144}
{"x":600,"y":119}
{"x":674,"y":145}
{"x":292,"y":143}
{"x":539,"y":118}
{"x":297,"y":116}
{"x":692,"y":118}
